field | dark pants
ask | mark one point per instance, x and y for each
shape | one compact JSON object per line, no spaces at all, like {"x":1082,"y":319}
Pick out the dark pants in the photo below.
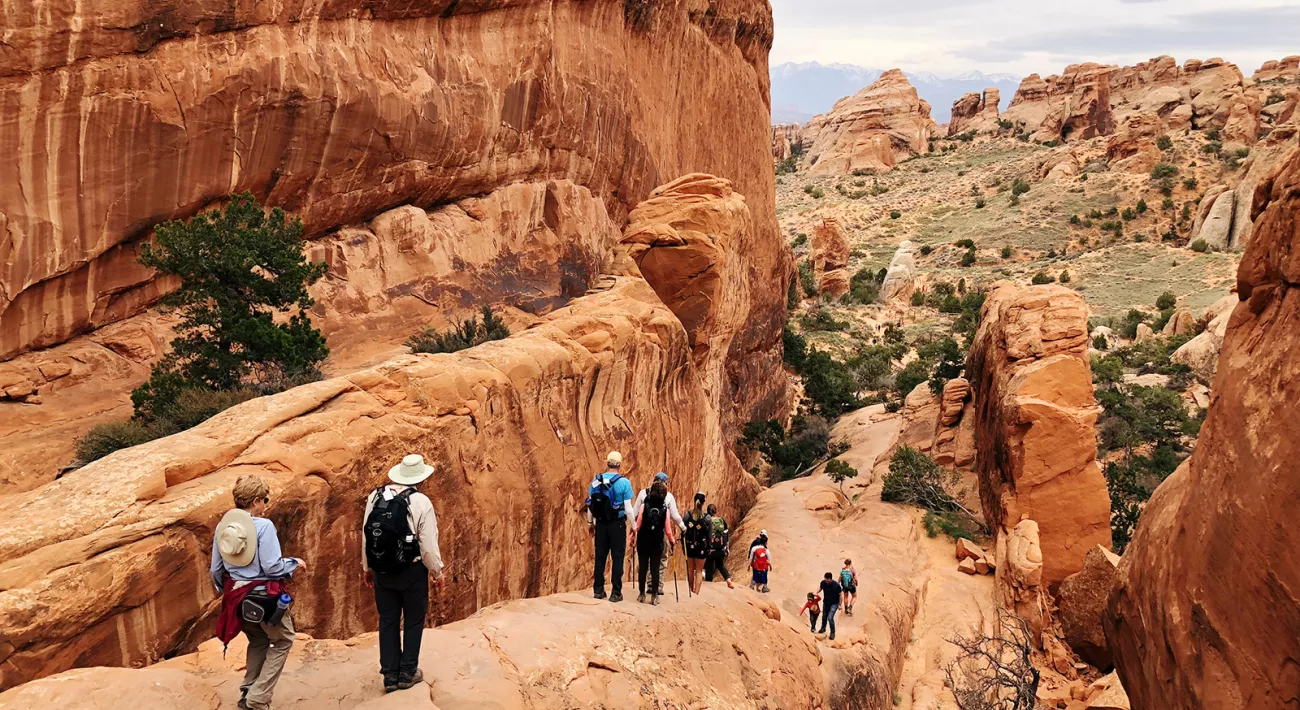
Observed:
{"x":812,"y":626}
{"x":716,"y":563}
{"x":830,"y":617}
{"x":611,"y":540}
{"x":403,"y":594}
{"x":649,"y":550}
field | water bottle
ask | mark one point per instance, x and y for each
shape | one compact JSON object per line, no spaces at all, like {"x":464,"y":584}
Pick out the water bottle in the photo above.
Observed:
{"x":281,"y":608}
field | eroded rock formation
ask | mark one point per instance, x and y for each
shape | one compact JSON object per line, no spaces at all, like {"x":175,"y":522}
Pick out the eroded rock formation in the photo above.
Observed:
{"x":787,"y":140}
{"x":1035,"y":418}
{"x":114,"y":555}
{"x":1206,"y":612}
{"x":1081,"y":604}
{"x":900,"y":278}
{"x":1074,"y":105}
{"x":871,"y":130}
{"x":119,"y":119}
{"x":974,"y":112}
{"x":830,"y":258}
{"x":423,"y":215}
{"x":1287,"y":67}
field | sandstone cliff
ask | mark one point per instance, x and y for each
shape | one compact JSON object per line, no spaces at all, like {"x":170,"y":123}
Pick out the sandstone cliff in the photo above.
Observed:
{"x":441,"y":157}
{"x":108,"y":565}
{"x":1074,"y":105}
{"x":1036,"y":446}
{"x":871,"y":130}
{"x":1206,"y":612}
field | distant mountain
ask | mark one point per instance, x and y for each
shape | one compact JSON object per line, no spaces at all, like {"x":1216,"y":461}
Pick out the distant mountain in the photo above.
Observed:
{"x":801,"y":91}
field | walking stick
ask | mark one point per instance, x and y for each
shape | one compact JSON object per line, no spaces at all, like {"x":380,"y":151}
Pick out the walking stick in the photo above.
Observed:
{"x":676,"y":592}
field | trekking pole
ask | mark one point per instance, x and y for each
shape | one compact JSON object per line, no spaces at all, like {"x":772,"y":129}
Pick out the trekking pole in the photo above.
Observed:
{"x":676,"y":592}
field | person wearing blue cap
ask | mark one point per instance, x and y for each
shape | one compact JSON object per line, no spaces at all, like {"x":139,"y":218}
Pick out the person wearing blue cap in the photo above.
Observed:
{"x":673,"y":514}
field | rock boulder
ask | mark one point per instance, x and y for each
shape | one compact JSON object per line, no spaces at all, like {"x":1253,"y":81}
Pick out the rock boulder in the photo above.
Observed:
{"x":900,"y":279}
{"x":830,"y":258}
{"x":872,"y":130}
{"x":1081,"y":605}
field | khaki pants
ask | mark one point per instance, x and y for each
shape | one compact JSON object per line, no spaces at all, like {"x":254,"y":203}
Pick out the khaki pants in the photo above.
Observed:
{"x":268,"y":649}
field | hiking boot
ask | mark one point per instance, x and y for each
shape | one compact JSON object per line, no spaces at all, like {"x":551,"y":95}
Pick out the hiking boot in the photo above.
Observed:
{"x":410,"y":681}
{"x":640,"y":598}
{"x":242,"y":704}
{"x":832,"y":637}
{"x":600,"y":594}
{"x":766,"y":589}
{"x":390,"y":684}
{"x":655,"y":600}
{"x":616,"y":597}
{"x":730,"y":585}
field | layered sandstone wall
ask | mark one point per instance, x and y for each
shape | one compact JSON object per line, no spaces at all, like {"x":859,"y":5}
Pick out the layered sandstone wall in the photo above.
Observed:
{"x":872,"y":130}
{"x":108,"y":565}
{"x":1036,"y":448}
{"x":974,"y":112}
{"x":442,"y":157}
{"x":120,"y":116}
{"x":1206,"y":612}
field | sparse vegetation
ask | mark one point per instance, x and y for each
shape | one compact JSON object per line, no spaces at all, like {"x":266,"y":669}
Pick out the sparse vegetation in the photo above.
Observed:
{"x":1162,"y":171}
{"x":1164,"y":143}
{"x":466,"y":334}
{"x":839,"y":472}
{"x":1006,"y":252}
{"x":895,"y":214}
{"x":1200,"y":245}
{"x":1041,"y":278}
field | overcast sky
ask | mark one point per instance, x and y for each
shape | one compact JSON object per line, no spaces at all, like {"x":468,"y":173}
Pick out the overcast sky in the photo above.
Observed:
{"x":1020,"y":37}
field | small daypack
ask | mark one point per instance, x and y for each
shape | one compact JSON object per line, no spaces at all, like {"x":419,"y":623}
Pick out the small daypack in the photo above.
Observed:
{"x":721,"y":537}
{"x":697,"y":535}
{"x":761,"y":561}
{"x":390,"y":545}
{"x":653,"y":515}
{"x":846,"y":578}
{"x":601,"y":504}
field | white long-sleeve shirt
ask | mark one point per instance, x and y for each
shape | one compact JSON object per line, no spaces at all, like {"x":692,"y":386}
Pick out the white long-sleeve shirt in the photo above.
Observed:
{"x":423,"y":522}
{"x":672,"y":508}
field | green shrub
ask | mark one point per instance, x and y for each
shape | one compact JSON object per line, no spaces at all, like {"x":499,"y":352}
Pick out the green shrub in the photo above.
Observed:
{"x":794,"y":349}
{"x":1164,"y":143}
{"x":980,"y":203}
{"x":968,"y":259}
{"x":1201,"y":246}
{"x":926,"y":250}
{"x":1166,"y":301}
{"x":818,"y":193}
{"x":1141,"y":206}
{"x":807,"y":279}
{"x":965,"y":243}
{"x":1167,"y":204}
{"x":104,"y":439}
{"x":800,"y":240}
{"x":1212,"y":148}
{"x":1019,"y":187}
{"x":1212,"y":134}
{"x":895,"y":214}
{"x":187,"y":408}
{"x":787,"y":166}
{"x":822,"y":319}
{"x":828,"y":384}
{"x":953,"y":524}
{"x":790,"y":453}
{"x":1095,"y":214}
{"x":808,"y":188}
{"x":1163,"y":170}
{"x":864,"y":287}
{"x":1100,"y":343}
{"x":1074,"y":219}
{"x":1051,"y":252}
{"x":467,"y":334}
{"x":839,"y":472}
{"x":1041,"y":278}
{"x":1064,"y":277}
{"x":918,"y":299}
{"x":915,"y":478}
{"x":1189,"y":183}
{"x":1128,"y":214}
{"x":1006,"y":252}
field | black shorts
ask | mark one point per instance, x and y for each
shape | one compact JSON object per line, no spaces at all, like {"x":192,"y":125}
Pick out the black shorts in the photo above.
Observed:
{"x":851,"y":589}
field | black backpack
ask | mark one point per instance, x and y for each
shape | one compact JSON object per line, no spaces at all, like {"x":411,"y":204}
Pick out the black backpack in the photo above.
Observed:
{"x":600,"y":505}
{"x":698,"y":532}
{"x":653,"y":516}
{"x":390,"y":546}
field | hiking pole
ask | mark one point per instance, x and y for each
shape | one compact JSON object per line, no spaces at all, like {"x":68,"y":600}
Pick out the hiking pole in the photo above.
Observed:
{"x":676,"y":592}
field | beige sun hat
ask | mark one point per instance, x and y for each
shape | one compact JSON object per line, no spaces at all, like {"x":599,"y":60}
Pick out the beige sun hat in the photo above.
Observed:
{"x":614,"y":460}
{"x":410,"y":471}
{"x":237,"y":538}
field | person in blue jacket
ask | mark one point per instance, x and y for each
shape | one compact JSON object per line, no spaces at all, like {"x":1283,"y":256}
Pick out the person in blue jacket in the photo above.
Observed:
{"x":609,"y":507}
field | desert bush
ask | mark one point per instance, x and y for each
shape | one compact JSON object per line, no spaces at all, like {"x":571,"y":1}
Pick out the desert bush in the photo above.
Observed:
{"x":1128,"y":215}
{"x":807,"y":279}
{"x":839,"y":472}
{"x":1074,"y":219}
{"x":918,"y":299}
{"x":1019,"y":187}
{"x":1064,"y":277}
{"x":965,"y":243}
{"x":1166,"y":301}
{"x":1163,"y":170}
{"x":995,"y":671}
{"x":792,"y":453}
{"x":1189,"y":183}
{"x":969,"y":258}
{"x":800,"y":240}
{"x":467,"y":334}
{"x":980,"y":203}
{"x":1006,"y":252}
{"x":1201,"y":246}
{"x":915,"y":478}
{"x":864,"y":287}
{"x":953,"y":524}
{"x":1041,"y":278}
{"x":104,"y":439}
{"x":818,"y":193}
{"x":926,"y":250}
{"x":821,"y":319}
{"x":1141,"y":207}
{"x":1164,"y":143}
{"x":895,"y":214}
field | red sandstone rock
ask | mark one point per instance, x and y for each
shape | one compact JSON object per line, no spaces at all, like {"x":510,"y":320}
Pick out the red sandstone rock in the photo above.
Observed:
{"x":1205,"y":612}
{"x":1081,"y":604}
{"x":871,"y":130}
{"x":830,"y":258}
{"x":974,"y":112}
{"x":786,"y":138}
{"x":1074,"y":105}
{"x":1035,"y":417}
{"x":1287,"y":67}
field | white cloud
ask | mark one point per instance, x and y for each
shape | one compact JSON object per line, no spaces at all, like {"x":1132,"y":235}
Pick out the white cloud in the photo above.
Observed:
{"x":1027,"y":36}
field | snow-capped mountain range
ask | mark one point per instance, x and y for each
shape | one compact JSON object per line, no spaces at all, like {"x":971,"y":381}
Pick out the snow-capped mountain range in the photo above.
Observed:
{"x":803,"y":90}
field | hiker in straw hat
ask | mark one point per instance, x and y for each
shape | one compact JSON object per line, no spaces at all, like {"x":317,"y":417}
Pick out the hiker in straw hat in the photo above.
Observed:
{"x":246,"y":567}
{"x":399,"y":554}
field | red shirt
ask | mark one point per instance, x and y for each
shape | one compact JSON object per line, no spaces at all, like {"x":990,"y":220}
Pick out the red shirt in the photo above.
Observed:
{"x":813,"y":604}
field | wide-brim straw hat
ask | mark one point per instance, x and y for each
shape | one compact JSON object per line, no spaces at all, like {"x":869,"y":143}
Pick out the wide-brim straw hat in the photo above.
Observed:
{"x":410,"y":471}
{"x":237,"y":538}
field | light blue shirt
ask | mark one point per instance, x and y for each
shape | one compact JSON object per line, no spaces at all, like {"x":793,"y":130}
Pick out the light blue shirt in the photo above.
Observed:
{"x":268,"y":564}
{"x":620,"y":492}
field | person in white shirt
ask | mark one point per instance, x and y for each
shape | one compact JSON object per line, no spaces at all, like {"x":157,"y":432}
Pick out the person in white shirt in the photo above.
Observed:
{"x":398,"y":569}
{"x":673,"y":515}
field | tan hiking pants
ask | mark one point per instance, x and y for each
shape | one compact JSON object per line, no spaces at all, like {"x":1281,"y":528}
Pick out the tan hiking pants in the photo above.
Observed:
{"x":268,"y":649}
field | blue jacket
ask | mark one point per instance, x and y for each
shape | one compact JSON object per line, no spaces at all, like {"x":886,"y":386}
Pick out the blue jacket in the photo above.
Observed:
{"x":620,"y":492}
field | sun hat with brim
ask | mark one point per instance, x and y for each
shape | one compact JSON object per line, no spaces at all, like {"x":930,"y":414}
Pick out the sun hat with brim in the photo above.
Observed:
{"x":410,"y":471}
{"x":237,"y":538}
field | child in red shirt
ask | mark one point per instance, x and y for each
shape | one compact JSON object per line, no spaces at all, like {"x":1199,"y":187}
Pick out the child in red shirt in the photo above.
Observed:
{"x":814,"y":609}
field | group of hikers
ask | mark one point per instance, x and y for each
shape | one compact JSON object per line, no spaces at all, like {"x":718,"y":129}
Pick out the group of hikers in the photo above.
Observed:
{"x":657,"y":526}
{"x":400,"y":555}
{"x":834,"y":593}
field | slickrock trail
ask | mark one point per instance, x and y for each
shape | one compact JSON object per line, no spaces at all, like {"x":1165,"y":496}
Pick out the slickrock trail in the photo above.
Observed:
{"x":910,"y":595}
